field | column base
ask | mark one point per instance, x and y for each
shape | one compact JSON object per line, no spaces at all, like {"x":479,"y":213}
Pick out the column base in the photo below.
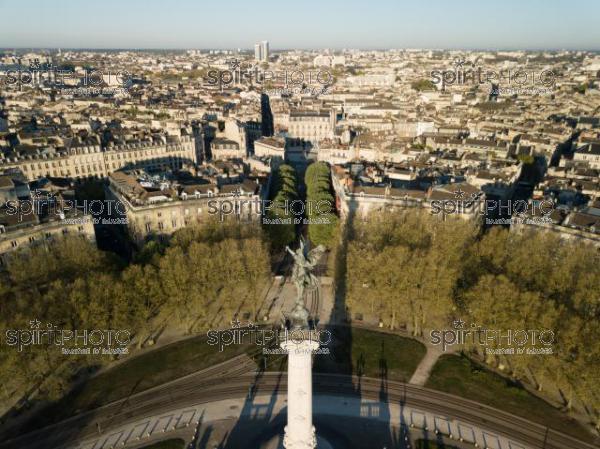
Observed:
{"x":300,"y":444}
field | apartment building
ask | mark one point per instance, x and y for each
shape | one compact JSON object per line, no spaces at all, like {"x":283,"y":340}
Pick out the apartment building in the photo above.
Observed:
{"x":222,"y":148}
{"x":363,"y":189}
{"x":37,"y":221}
{"x":153,"y":208}
{"x":93,"y":161}
{"x":588,"y":154}
{"x":312,"y":125}
{"x":270,"y":147}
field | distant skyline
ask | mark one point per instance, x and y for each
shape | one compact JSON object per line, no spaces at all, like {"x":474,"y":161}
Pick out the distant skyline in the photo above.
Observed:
{"x":182,"y":24}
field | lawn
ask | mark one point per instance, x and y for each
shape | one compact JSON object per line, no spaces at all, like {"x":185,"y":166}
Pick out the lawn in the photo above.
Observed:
{"x":462,"y":377}
{"x":167,"y":444}
{"x":145,"y":371}
{"x":365,"y":352}
{"x":372,"y":354}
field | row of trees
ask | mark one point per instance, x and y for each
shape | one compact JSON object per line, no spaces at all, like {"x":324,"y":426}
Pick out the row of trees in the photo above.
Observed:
{"x":404,"y":268}
{"x":417,"y":271}
{"x":281,"y":228}
{"x":323,"y":223}
{"x":208,"y":271}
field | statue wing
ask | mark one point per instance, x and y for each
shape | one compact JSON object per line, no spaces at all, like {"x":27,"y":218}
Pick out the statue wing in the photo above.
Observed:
{"x":290,"y":251}
{"x":315,"y":254}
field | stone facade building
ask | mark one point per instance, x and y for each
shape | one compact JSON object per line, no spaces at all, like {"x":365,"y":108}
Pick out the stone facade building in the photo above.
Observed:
{"x":95,"y":162}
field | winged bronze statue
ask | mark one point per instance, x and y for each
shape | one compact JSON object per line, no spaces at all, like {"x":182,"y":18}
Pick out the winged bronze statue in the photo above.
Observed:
{"x":304,"y":263}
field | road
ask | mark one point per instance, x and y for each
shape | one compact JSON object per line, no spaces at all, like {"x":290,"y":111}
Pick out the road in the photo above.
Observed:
{"x":233,"y":379}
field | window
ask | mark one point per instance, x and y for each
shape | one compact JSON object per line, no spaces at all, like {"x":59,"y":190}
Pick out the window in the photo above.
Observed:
{"x":174,"y":223}
{"x":80,"y":228}
{"x":148,"y":227}
{"x":160,"y":226}
{"x":31,"y":239}
{"x":14,"y":244}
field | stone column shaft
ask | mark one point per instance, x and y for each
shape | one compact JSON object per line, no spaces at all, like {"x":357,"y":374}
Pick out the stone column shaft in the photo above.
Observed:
{"x":299,"y":432}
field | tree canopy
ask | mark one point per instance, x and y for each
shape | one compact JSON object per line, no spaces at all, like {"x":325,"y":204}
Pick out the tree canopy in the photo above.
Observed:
{"x":203,"y":272}
{"x":323,"y":223}
{"x":414,"y":270}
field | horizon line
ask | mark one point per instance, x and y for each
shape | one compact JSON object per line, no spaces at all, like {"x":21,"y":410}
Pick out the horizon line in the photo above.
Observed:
{"x":284,"y":49}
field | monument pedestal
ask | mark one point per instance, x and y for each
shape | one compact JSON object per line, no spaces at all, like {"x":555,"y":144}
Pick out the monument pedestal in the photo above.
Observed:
{"x":299,"y":432}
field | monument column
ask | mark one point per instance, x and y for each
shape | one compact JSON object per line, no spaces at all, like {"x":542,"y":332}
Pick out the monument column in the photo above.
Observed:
{"x":299,"y":432}
{"x":300,"y":343}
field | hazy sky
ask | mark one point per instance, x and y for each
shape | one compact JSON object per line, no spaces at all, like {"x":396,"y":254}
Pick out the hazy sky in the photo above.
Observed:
{"x":532,"y":24}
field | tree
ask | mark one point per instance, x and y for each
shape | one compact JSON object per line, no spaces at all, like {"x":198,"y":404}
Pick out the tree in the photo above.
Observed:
{"x":280,"y":226}
{"x":71,"y":284}
{"x":423,"y":84}
{"x":323,"y":224}
{"x":409,"y":262}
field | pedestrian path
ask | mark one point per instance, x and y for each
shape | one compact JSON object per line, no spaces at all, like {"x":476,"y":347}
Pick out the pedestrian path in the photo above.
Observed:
{"x":423,"y":371}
